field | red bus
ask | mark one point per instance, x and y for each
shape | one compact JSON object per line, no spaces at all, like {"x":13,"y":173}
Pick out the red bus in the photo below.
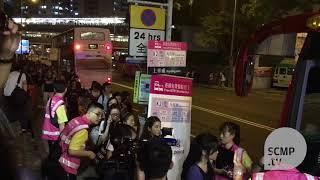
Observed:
{"x":302,"y":104}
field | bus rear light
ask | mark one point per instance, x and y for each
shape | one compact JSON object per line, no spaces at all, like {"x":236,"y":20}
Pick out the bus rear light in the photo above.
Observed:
{"x":109,"y":80}
{"x":77,"y":47}
{"x":108,"y":47}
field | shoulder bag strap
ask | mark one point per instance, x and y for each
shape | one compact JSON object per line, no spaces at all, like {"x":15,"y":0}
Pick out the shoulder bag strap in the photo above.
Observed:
{"x":19,"y":78}
{"x":52,"y":119}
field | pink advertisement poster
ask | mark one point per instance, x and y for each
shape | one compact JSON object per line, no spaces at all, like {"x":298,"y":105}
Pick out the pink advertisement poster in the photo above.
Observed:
{"x":166,"y":54}
{"x":171,"y":85}
{"x":171,"y":101}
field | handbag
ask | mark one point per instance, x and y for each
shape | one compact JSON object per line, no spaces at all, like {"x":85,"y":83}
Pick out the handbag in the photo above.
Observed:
{"x":19,"y":96}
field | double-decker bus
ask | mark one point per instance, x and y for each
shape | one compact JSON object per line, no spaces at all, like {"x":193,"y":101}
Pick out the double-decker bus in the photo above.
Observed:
{"x":301,"y":107}
{"x":87,"y":51}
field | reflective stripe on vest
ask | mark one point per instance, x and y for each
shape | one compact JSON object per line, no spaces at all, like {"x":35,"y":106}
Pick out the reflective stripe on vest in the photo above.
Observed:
{"x":309,"y":177}
{"x":49,"y":130}
{"x":71,"y":163}
{"x":68,"y":163}
{"x":55,"y":133}
{"x":259,"y":176}
{"x":67,"y":139}
{"x":55,"y":107}
{"x":47,"y":116}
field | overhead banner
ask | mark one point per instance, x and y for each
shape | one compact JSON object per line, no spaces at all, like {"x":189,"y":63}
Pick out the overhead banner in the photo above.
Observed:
{"x":144,"y":17}
{"x":171,"y":101}
{"x":166,"y":54}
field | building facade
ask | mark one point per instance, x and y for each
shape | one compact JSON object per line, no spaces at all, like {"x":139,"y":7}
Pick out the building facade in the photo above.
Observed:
{"x":68,"y":8}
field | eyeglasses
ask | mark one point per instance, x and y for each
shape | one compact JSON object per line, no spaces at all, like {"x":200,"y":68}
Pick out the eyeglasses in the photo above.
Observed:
{"x":115,"y":115}
{"x":98,"y":114}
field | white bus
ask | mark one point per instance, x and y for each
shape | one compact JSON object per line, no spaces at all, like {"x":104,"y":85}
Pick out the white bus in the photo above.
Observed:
{"x":88,"y":51}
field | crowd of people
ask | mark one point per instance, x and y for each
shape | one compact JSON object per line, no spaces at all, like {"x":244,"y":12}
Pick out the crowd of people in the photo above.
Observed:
{"x":110,"y":131}
{"x":98,"y":119}
{"x":100,"y":126}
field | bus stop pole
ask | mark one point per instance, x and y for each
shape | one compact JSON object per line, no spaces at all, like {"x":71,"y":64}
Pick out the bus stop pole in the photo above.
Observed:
{"x":169,"y":20}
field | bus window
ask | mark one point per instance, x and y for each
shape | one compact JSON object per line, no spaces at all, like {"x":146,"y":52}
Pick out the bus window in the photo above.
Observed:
{"x":98,"y":36}
{"x":282,"y":71}
{"x":290,"y":71}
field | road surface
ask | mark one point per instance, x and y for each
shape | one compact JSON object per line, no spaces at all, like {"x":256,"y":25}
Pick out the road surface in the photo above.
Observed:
{"x":257,"y":114}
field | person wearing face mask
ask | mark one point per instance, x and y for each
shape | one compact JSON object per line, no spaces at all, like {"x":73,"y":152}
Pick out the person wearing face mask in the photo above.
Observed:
{"x":230,"y":139}
{"x":151,"y":129}
{"x":203,"y":149}
{"x":74,"y":138}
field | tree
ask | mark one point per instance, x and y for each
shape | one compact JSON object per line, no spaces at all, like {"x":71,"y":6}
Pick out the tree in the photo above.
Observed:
{"x":190,"y":12}
{"x":251,"y":15}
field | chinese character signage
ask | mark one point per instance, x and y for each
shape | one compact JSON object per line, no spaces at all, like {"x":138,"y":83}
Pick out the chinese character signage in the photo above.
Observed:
{"x":141,"y":88}
{"x":144,"y":88}
{"x":136,"y":87}
{"x":171,"y":85}
{"x":144,"y":17}
{"x":167,"y":54}
{"x":139,"y":40}
{"x":170,"y":100}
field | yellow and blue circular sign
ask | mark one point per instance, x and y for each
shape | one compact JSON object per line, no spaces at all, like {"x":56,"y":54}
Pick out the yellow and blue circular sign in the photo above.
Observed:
{"x":148,"y":17}
{"x":144,"y":17}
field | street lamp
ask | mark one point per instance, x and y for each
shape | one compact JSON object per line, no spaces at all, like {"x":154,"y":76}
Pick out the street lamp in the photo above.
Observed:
{"x":232,"y":42}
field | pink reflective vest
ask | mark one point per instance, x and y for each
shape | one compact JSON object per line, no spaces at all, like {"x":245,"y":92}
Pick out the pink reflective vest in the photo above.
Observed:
{"x":70,"y":163}
{"x":49,"y":131}
{"x":239,"y":151}
{"x":292,"y":174}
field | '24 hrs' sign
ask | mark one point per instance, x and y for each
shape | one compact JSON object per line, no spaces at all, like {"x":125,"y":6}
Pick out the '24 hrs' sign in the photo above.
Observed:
{"x":139,"y":40}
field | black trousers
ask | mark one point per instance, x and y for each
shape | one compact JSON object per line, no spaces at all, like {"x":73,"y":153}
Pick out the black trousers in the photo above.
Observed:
{"x":54,"y":150}
{"x":69,"y":176}
{"x":54,"y":171}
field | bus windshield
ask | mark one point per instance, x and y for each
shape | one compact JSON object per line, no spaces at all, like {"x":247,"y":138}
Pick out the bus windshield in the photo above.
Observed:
{"x":98,"y":36}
